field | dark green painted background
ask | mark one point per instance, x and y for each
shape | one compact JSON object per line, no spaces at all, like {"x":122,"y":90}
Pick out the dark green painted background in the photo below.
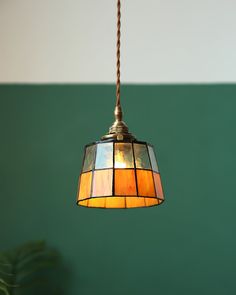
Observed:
{"x":186,"y":246}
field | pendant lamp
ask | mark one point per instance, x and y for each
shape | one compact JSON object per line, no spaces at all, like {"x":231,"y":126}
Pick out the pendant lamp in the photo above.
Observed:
{"x":119,"y":171}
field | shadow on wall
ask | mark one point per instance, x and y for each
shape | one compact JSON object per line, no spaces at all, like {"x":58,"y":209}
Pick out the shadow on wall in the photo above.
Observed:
{"x":32,"y":268}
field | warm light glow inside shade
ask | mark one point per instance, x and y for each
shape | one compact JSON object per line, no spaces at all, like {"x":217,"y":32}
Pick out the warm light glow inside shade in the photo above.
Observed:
{"x":119,"y":174}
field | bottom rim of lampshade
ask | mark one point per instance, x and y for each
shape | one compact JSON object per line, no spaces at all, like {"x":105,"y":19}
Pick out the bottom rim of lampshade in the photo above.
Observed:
{"x":88,"y":204}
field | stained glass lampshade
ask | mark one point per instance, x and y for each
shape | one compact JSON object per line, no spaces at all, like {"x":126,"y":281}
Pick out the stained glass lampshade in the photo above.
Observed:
{"x":119,"y":174}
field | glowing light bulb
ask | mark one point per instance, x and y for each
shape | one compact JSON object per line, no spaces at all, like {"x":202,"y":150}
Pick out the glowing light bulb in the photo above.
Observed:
{"x":120,"y":161}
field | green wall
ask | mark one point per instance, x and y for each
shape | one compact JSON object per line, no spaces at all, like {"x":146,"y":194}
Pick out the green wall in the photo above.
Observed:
{"x":186,"y":246}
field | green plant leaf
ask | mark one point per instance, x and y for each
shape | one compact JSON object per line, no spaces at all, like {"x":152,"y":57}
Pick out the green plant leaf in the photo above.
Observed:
{"x":30,"y":248}
{"x":38,"y":257}
{"x":3,"y":283}
{"x":23,"y":266}
{"x":4,"y":289}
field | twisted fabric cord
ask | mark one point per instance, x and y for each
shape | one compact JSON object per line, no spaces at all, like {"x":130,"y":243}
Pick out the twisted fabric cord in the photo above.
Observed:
{"x":118,"y":53}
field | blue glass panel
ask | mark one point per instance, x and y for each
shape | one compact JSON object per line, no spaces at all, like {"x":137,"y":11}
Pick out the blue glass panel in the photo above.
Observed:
{"x":104,"y":157}
{"x":153,"y":159}
{"x":89,"y":158}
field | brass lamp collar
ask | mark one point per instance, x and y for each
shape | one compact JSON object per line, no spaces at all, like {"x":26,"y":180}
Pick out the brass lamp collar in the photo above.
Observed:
{"x":119,"y":130}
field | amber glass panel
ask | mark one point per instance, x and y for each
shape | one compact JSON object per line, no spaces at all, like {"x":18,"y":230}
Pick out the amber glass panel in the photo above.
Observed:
{"x":132,"y":202}
{"x":141,"y":156}
{"x":85,"y":185}
{"x":151,"y":201}
{"x":84,"y":203}
{"x":125,"y":182}
{"x":97,"y":202}
{"x":89,"y":158}
{"x":158,"y":185}
{"x":153,"y":159}
{"x":145,"y":183}
{"x":124,"y":155}
{"x":102,"y":183}
{"x":104,"y":157}
{"x":115,"y":202}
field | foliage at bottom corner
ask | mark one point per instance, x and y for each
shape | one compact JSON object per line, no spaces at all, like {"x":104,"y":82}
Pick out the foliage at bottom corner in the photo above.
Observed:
{"x":28,"y":269}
